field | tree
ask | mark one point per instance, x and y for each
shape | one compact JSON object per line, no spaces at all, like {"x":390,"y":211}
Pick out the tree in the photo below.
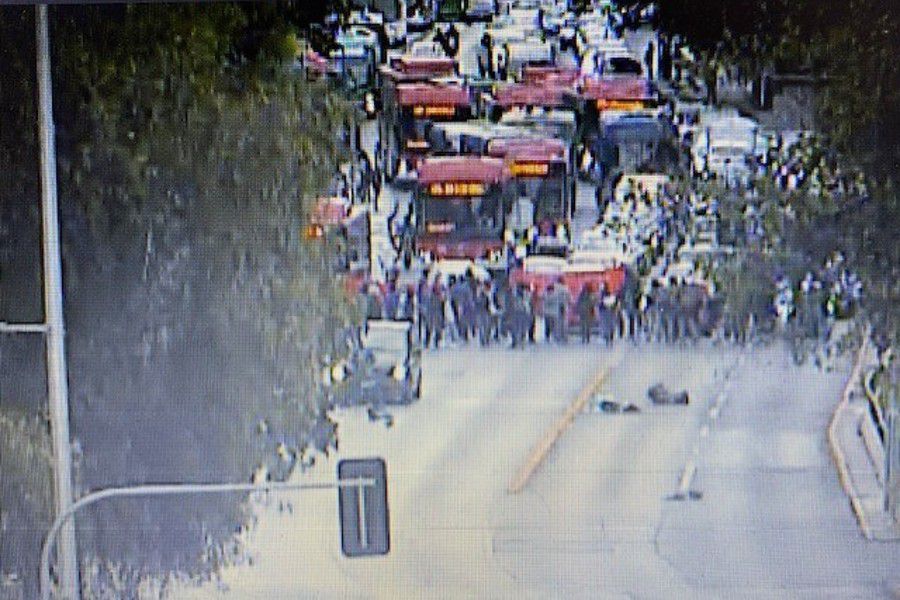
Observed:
{"x":195,"y":311}
{"x":850,"y":47}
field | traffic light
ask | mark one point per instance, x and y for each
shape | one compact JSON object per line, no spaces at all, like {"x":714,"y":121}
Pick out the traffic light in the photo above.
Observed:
{"x":363,"y":509}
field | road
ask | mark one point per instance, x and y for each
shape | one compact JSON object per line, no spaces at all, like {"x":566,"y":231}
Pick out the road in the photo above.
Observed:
{"x":734,"y":495}
{"x":596,"y":519}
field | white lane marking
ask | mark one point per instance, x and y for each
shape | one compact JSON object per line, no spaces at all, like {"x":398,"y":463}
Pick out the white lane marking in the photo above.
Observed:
{"x":704,"y":431}
{"x":687,"y":476}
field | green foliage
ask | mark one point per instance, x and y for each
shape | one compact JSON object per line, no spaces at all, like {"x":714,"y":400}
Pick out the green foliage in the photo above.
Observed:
{"x":189,"y":157}
{"x":26,"y":512}
{"x":851,"y":45}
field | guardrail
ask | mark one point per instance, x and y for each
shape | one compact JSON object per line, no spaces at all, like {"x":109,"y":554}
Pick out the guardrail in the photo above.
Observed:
{"x":874,"y":403}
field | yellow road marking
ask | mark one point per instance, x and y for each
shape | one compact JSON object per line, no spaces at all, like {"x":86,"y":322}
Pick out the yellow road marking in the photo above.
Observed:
{"x":540,"y":451}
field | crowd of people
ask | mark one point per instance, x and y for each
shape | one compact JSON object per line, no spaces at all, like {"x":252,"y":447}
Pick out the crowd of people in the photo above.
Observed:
{"x":466,"y":309}
{"x":808,"y":165}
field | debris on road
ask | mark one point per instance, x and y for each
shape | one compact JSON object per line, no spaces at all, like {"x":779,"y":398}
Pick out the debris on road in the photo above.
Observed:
{"x":658,"y":394}
{"x":603,"y":404}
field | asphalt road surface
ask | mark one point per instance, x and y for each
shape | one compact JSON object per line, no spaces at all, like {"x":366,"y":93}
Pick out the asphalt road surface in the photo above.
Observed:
{"x":597,"y":518}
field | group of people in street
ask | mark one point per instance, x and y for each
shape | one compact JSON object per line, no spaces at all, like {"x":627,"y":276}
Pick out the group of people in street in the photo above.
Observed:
{"x":808,"y":165}
{"x":466,"y":309}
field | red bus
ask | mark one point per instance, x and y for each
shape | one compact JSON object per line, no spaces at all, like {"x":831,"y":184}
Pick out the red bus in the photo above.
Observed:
{"x":407,"y":119}
{"x":596,"y":95}
{"x":529,"y":96}
{"x":557,"y":76}
{"x":335,"y":220}
{"x":460,"y":208}
{"x":540,"y":170}
{"x":406,"y":70}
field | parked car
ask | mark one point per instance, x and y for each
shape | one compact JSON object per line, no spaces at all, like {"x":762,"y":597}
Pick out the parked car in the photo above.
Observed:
{"x":391,"y":363}
{"x":384,"y":368}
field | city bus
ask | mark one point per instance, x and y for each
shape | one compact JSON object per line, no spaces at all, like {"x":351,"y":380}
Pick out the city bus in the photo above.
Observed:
{"x":556,"y":76}
{"x":470,"y":138}
{"x":528,"y":53}
{"x":559,"y":123}
{"x":526,"y":96}
{"x":460,"y":207}
{"x":630,"y":141}
{"x":411,"y":69}
{"x":407,"y":118}
{"x":539,"y":169}
{"x":597,"y":95}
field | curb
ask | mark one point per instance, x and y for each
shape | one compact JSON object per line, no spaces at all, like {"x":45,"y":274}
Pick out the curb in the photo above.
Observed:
{"x":540,"y":450}
{"x":837,"y":454}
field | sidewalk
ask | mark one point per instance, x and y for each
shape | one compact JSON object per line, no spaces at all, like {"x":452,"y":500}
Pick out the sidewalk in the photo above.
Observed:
{"x":860,"y":475}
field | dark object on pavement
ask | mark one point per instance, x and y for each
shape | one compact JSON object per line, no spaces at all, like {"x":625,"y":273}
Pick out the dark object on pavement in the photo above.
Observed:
{"x":608,"y":406}
{"x":378,"y":413}
{"x":658,"y":394}
{"x":603,"y":404}
{"x":680,"y":398}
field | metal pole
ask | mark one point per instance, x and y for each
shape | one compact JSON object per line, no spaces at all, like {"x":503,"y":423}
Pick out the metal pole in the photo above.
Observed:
{"x":888,"y":454}
{"x":169,"y":489}
{"x":57,"y":379}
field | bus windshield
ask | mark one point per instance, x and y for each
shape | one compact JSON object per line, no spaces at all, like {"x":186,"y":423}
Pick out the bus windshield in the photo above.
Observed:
{"x":456,"y":216}
{"x":547,"y":195}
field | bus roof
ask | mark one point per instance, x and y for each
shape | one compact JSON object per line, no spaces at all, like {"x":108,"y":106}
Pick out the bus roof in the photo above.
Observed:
{"x":462,"y":168}
{"x":411,"y":94}
{"x":528,"y":148}
{"x":537,"y":74}
{"x":531,"y":94}
{"x":619,"y":88}
{"x":424,"y":65}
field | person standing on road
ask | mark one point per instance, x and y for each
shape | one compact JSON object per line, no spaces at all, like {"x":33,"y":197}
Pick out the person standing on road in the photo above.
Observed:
{"x":659,"y":307}
{"x":373,"y":302}
{"x":549,"y":312}
{"x":585,"y":306}
{"x":453,"y":39}
{"x":629,"y":304}
{"x":407,"y":309}
{"x":460,"y":298}
{"x":391,"y":302}
{"x":604,"y":318}
{"x":555,"y":303}
{"x":439,"y":311}
{"x":648,"y":60}
{"x":642,"y":317}
{"x":501,"y":65}
{"x":532,"y":307}
{"x":482,"y":315}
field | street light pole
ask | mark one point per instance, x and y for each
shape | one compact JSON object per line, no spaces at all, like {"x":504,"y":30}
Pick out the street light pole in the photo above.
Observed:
{"x":57,"y":378}
{"x":173,"y":489}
